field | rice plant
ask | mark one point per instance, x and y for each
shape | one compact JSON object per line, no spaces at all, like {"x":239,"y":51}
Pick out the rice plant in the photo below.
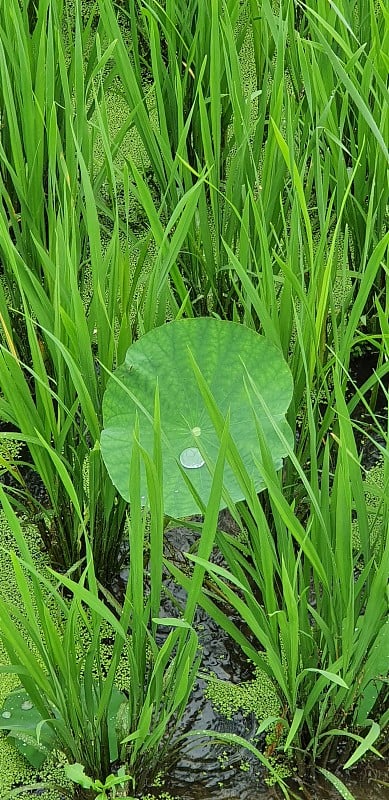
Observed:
{"x":235,"y":92}
{"x":96,"y":710}
{"x":66,"y":291}
{"x":313,"y":602}
{"x":245,"y":177}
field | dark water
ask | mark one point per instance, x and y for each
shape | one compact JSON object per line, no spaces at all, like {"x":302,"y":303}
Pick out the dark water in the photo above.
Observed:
{"x":365,"y":431}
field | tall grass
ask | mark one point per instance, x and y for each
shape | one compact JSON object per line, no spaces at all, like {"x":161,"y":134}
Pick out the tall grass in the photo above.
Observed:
{"x":314,"y":606}
{"x":289,"y":229}
{"x":286,"y":112}
{"x":262,"y":185}
{"x":66,"y":292}
{"x":189,"y":106}
{"x":55,"y":644}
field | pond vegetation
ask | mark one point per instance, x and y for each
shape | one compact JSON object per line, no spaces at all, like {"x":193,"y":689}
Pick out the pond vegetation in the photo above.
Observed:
{"x":193,"y":263}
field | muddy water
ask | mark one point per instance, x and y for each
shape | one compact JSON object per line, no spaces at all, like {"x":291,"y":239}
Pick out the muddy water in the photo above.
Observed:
{"x":210,"y":770}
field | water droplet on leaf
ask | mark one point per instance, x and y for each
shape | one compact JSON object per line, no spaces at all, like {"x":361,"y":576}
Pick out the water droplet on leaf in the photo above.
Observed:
{"x":191,"y":458}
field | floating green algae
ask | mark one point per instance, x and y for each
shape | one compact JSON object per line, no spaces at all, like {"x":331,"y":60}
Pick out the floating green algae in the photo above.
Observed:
{"x":257,"y":696}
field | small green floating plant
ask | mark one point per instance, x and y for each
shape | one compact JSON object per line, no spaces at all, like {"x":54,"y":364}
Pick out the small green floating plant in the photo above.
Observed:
{"x":76,"y":773}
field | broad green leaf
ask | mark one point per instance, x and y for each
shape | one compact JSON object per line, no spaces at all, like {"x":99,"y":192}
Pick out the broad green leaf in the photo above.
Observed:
{"x":76,"y":773}
{"x":22,"y":719}
{"x":223,"y":351}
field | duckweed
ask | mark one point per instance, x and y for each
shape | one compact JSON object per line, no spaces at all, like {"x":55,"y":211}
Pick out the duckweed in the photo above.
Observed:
{"x":257,"y":696}
{"x":374,"y":480}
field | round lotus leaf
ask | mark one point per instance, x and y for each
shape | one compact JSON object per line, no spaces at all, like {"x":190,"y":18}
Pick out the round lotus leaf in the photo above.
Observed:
{"x":224,"y":352}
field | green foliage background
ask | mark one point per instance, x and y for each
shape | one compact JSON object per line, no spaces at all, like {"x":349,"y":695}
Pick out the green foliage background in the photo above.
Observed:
{"x":160,"y":160}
